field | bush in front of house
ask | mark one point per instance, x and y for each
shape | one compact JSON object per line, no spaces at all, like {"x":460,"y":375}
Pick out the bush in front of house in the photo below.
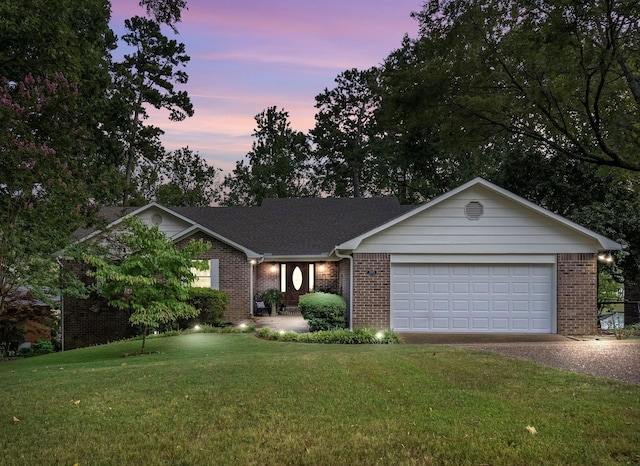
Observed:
{"x":38,"y":348}
{"x":210,"y":303}
{"x":341,"y":336}
{"x":323,"y":311}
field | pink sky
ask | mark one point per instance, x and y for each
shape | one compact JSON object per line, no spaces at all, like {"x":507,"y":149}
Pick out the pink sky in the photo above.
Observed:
{"x":247,"y":55}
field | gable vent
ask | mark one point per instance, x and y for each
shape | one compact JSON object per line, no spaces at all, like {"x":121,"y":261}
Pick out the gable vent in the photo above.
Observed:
{"x":473,"y":210}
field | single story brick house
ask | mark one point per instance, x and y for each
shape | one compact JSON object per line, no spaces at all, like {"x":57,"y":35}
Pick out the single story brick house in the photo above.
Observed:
{"x":476,"y":259}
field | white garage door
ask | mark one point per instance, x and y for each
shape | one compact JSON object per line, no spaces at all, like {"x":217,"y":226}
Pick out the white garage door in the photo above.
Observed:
{"x":472,"y":298}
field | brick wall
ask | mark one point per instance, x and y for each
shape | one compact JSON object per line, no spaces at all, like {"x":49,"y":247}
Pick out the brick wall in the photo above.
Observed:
{"x":327,"y":277}
{"x":234,"y":275}
{"x":371,"y":295}
{"x":577,"y":294}
{"x":344,"y":279}
{"x":91,"y":321}
{"x":267,"y":275}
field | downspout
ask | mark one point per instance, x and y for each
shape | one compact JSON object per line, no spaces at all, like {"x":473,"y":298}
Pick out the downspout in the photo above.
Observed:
{"x":252,"y":262}
{"x":341,"y":256}
{"x":61,"y":308}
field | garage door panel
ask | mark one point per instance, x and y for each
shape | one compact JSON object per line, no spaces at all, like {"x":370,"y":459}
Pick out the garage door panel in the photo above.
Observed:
{"x":461,"y":306}
{"x":472,"y":298}
{"x":480,"y":324}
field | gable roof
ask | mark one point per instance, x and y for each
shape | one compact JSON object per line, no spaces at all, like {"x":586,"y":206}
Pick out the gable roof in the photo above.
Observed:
{"x":279,"y":227}
{"x":604,"y":242}
{"x":296,"y":227}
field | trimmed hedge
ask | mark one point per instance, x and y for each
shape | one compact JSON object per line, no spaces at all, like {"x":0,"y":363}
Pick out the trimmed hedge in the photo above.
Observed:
{"x":342,"y":336}
{"x":323,"y":311}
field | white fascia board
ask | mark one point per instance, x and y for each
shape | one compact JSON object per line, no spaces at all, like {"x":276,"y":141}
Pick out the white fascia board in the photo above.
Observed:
{"x":604,"y":242}
{"x":199,"y":228}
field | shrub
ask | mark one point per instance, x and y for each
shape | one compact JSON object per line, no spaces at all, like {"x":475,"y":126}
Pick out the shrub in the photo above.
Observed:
{"x":341,"y":336}
{"x":38,"y":348}
{"x":323,"y":311}
{"x":211,"y":305}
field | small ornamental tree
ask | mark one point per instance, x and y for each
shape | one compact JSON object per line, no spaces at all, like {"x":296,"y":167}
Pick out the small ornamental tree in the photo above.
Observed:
{"x":143,"y":272}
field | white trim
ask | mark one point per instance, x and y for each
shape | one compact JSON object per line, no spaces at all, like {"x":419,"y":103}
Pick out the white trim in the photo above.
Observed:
{"x":605,"y":243}
{"x":473,"y":259}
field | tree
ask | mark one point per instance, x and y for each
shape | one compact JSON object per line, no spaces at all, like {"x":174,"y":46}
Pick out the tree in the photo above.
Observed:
{"x":277,"y":164}
{"x":147,"y":77}
{"x":168,"y":12}
{"x":345,"y":134}
{"x":44,"y":37}
{"x":151,"y":278}
{"x":43,"y":195}
{"x":565,"y":75}
{"x":187,"y":180}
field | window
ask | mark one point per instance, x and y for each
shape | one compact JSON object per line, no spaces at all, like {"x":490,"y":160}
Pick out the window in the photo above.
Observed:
{"x":208,"y":278}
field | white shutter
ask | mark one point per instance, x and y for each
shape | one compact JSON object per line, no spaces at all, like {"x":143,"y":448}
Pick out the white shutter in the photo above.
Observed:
{"x":214,"y":270}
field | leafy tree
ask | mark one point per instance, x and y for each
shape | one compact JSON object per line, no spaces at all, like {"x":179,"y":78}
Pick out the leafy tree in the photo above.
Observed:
{"x":43,"y":195}
{"x":277,"y":164}
{"x":146,"y":78}
{"x":44,"y":37}
{"x":151,"y":278}
{"x":345,"y":134}
{"x":187,"y":180}
{"x":565,"y":75}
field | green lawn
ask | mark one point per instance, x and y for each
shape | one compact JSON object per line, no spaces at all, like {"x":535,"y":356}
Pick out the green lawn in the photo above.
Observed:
{"x":236,"y":399}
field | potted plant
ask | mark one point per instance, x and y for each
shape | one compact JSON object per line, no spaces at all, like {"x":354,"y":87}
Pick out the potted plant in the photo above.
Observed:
{"x":272,"y":297}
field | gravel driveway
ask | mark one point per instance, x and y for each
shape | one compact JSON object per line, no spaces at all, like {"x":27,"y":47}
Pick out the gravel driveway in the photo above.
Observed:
{"x":609,"y":358}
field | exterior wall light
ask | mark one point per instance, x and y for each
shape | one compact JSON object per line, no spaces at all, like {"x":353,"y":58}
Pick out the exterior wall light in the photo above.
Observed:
{"x":605,"y":257}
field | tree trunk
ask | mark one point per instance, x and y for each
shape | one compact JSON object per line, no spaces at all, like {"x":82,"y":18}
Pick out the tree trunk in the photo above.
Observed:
{"x":144,"y":338}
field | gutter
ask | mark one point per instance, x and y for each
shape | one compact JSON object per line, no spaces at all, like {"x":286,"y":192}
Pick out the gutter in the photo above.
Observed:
{"x":342,"y":256}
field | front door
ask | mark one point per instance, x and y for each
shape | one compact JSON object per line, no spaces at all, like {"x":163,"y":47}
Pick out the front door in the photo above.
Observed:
{"x":297,"y":282}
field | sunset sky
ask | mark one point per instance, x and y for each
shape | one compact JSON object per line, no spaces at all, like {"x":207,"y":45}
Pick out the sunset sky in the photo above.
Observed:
{"x":247,"y":55}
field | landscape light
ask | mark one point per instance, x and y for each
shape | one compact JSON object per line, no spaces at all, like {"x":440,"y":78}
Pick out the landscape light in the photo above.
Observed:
{"x":196,"y":328}
{"x":380,"y":335}
{"x":243,"y":325}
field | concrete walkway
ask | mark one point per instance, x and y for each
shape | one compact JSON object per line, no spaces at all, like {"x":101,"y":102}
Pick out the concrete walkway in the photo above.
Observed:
{"x":295,"y":323}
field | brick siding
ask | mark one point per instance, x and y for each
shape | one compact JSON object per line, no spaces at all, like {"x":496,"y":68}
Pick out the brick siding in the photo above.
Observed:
{"x":234,"y":275}
{"x":372,"y":290}
{"x":91,"y":321}
{"x":577,"y":294}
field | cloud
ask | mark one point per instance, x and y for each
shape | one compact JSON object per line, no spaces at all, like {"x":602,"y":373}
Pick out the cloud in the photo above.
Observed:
{"x":247,"y":55}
